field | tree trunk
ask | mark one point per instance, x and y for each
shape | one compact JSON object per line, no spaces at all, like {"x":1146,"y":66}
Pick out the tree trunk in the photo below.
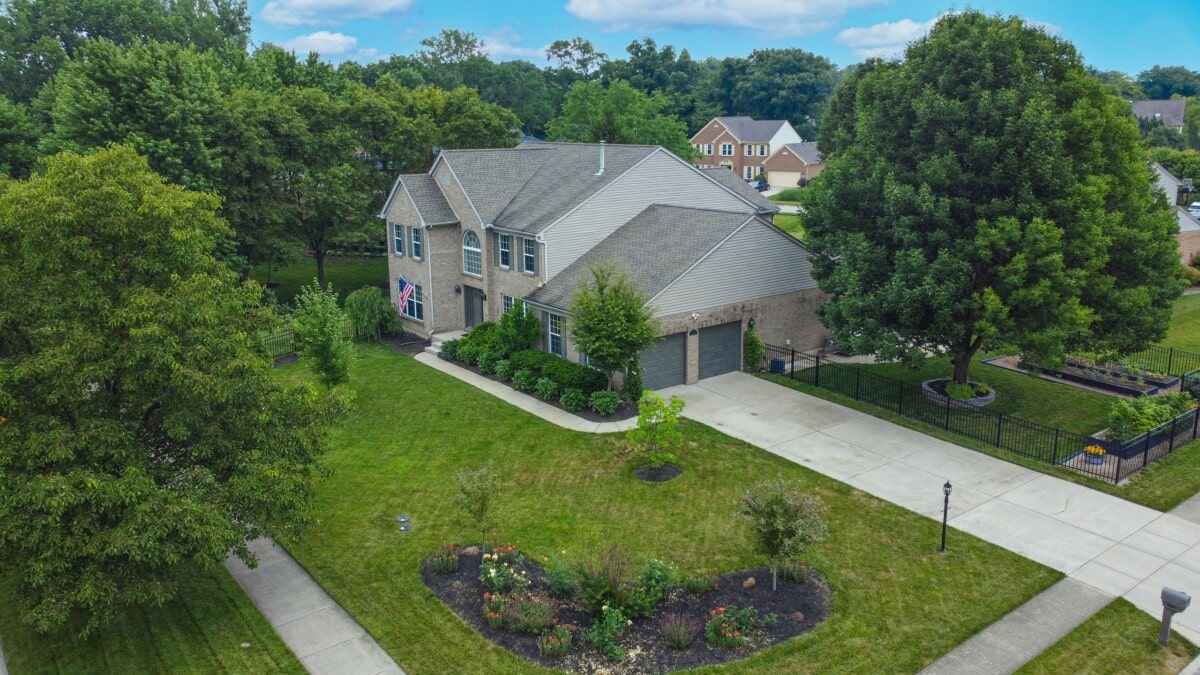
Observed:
{"x":319,"y":256}
{"x":961,"y":360}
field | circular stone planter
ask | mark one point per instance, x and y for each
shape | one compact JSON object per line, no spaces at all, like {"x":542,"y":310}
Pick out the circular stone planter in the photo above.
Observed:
{"x":658,"y":474}
{"x":932,"y":390}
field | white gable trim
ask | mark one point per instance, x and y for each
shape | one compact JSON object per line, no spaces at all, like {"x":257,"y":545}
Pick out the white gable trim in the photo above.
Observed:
{"x":442,"y":159}
{"x":391,"y":195}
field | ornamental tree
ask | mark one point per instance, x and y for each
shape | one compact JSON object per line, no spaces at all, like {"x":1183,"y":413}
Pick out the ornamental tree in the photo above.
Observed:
{"x":320,"y":327}
{"x":785,"y":520}
{"x":986,"y":191}
{"x":142,"y":427}
{"x":610,"y":321}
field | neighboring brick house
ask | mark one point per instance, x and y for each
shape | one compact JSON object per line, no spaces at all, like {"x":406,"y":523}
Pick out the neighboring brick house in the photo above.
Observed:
{"x":1189,"y":228}
{"x":794,"y":164}
{"x":1169,"y":112}
{"x":485,"y":227}
{"x":741,"y":144}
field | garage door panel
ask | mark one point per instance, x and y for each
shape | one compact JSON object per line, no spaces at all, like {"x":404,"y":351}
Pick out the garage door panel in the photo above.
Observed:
{"x":664,"y":364}
{"x":720,"y":349}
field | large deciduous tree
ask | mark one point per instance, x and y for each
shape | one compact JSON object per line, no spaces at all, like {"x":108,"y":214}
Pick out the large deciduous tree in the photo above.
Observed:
{"x":618,"y":113}
{"x":610,"y":321}
{"x":141,"y":428}
{"x":986,"y":191}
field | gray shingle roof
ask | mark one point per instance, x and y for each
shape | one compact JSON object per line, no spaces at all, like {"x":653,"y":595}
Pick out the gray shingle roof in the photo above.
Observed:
{"x":491,"y":178}
{"x":428,"y":199}
{"x":728,"y":179}
{"x":1169,"y":185}
{"x":750,"y":130}
{"x":654,"y":248}
{"x":1170,"y":112}
{"x":806,"y":151}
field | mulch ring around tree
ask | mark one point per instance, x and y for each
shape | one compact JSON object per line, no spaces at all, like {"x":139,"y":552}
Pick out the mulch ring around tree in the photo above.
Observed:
{"x":799,"y":607}
{"x":658,"y":474}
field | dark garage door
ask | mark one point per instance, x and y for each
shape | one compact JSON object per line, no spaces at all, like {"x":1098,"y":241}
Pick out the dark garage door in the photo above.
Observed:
{"x":720,"y":349}
{"x":663,"y":363}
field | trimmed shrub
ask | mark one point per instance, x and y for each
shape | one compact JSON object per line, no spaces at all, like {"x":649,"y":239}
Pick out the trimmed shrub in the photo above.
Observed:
{"x":504,"y":370}
{"x":468,"y":352}
{"x":960,"y":392}
{"x":567,"y":374}
{"x":788,"y":195}
{"x":752,"y":351}
{"x":518,"y":329}
{"x":631,"y":389}
{"x":488,"y":357}
{"x":1189,"y":274}
{"x":573,"y":400}
{"x":604,"y":402}
{"x":524,"y":380}
{"x":547,"y":388}
{"x":450,"y":350}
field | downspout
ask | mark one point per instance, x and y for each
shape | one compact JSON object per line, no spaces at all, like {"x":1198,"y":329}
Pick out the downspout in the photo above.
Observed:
{"x":429,"y":267}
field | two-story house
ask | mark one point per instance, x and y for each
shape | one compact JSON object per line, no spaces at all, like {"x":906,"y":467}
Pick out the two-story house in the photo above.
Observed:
{"x":1170,"y":113}
{"x":794,"y":164}
{"x":741,"y":144}
{"x":485,"y":227}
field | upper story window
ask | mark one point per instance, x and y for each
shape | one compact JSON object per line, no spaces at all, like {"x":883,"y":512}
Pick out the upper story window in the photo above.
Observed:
{"x":416,"y":242}
{"x":504,"y":250}
{"x":727,"y":149}
{"x":749,"y":172}
{"x":472,"y":255}
{"x":762,"y":150}
{"x":529,"y":264}
{"x":749,"y":149}
{"x":397,"y":239}
{"x":708,"y":148}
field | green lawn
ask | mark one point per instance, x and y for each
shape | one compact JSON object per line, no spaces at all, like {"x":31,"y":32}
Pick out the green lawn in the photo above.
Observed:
{"x":1184,"y":332}
{"x":897,"y":604}
{"x":345,"y":274}
{"x":200,"y":632}
{"x":790,"y":223}
{"x":1119,"y":639}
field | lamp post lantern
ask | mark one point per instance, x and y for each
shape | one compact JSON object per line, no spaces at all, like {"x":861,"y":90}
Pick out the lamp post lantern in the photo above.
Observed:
{"x":945,"y":510}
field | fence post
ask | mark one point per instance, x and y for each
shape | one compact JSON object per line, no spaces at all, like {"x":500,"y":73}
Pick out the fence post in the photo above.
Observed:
{"x":1195,"y":419}
{"x":1170,"y":359}
{"x":900,"y":400}
{"x":1171,"y":442}
{"x":999,"y":426}
{"x":947,"y":420}
{"x":792,"y":374}
{"x":857,"y":380}
{"x":1117,"y":478}
{"x":1054,"y":456}
{"x":1146,"y":451}
{"x":817,"y":372}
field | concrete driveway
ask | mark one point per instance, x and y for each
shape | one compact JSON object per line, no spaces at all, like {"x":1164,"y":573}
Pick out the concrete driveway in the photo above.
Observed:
{"x":1116,"y":546}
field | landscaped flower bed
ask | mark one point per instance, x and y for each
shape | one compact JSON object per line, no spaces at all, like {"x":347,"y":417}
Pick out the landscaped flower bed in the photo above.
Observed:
{"x":1113,"y":377}
{"x":542,"y":614}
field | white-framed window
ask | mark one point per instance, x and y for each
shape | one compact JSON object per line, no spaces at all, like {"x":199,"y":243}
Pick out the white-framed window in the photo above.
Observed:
{"x":504,"y":250}
{"x":696,"y":147}
{"x":749,"y":172}
{"x":762,"y":150}
{"x":529,"y":257}
{"x":472,"y":255}
{"x":416,"y":242}
{"x":415,"y":307}
{"x":727,"y":149}
{"x":506,"y":302}
{"x":762,"y":170}
{"x":749,"y":149}
{"x":708,"y":149}
{"x":397,"y":239}
{"x":554,"y":328}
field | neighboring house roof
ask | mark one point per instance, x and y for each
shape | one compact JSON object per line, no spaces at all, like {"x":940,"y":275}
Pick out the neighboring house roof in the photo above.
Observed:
{"x":749,"y":130}
{"x":1169,"y":185}
{"x":729,"y":180}
{"x":655,"y":248}
{"x":807,"y":152}
{"x":1170,"y":112}
{"x":428,"y":199}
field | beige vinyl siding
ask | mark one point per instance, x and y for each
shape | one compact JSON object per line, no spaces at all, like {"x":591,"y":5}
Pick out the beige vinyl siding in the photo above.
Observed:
{"x":660,"y":179}
{"x":755,"y":262}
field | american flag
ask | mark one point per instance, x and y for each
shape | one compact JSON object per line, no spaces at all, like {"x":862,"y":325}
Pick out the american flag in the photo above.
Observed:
{"x":406,"y":291}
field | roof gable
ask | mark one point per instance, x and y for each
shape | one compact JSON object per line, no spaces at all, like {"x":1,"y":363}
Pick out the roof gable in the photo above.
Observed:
{"x":1170,"y":112}
{"x":748,"y":130}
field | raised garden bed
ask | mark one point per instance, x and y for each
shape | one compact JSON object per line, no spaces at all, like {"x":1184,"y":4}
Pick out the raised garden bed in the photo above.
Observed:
{"x":936,"y":390}
{"x":1114,"y":378}
{"x":798,"y":608}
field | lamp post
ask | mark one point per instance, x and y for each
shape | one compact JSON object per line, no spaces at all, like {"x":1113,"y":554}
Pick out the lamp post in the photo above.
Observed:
{"x":945,"y":510}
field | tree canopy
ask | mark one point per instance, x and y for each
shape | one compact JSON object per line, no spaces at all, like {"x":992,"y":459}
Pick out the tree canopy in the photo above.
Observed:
{"x":142,"y":427}
{"x":610,"y":321}
{"x":986,"y":191}
{"x":618,"y":113}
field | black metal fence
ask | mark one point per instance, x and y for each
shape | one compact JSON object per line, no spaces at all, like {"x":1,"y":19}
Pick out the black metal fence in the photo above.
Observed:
{"x":1035,"y":441}
{"x":283,"y":342}
{"x":1166,"y":360}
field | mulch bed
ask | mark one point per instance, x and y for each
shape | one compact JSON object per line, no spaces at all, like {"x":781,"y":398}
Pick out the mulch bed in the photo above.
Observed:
{"x":406,"y":343}
{"x":799,"y":608}
{"x":658,"y":474}
{"x":624,"y":410}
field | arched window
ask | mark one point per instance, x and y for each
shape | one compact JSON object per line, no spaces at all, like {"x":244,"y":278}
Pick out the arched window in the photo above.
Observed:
{"x":472,"y":255}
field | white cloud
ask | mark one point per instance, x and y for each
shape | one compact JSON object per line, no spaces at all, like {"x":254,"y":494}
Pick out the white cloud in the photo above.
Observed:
{"x":1050,"y":28}
{"x":328,"y":12}
{"x":884,"y":40}
{"x":774,"y":17}
{"x":324,"y":42}
{"x":503,"y":44}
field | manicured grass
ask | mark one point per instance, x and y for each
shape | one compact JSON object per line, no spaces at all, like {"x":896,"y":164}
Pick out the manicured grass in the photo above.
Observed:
{"x":790,"y":223}
{"x":1119,"y":639}
{"x":200,"y":632}
{"x":788,"y":196}
{"x":1162,"y":485}
{"x":1073,"y":409}
{"x":1184,"y":332}
{"x":897,"y":605}
{"x":345,"y":274}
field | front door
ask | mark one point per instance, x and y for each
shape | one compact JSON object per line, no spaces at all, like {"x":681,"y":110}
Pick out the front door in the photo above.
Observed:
{"x":473,"y":307}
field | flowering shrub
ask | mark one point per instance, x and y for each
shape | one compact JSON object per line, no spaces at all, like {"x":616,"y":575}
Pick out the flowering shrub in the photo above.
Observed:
{"x":1094,"y":450}
{"x":534,"y":614}
{"x":648,"y":590}
{"x":701,"y":581}
{"x":730,"y":626}
{"x":507,"y":554}
{"x":603,"y":632}
{"x":560,"y":580}
{"x":445,"y":561}
{"x":679,"y":629}
{"x":501,"y":577}
{"x":555,"y":642}
{"x":495,"y":609}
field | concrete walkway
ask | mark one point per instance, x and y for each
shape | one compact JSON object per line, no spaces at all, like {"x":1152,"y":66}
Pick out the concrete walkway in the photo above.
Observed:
{"x":325,"y":638}
{"x":3,"y":663}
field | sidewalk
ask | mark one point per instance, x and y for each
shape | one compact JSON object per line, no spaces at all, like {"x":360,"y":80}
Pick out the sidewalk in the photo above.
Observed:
{"x":319,"y":632}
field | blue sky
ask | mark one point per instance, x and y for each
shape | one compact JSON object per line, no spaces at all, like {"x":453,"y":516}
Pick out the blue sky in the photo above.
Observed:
{"x":1111,"y":34}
